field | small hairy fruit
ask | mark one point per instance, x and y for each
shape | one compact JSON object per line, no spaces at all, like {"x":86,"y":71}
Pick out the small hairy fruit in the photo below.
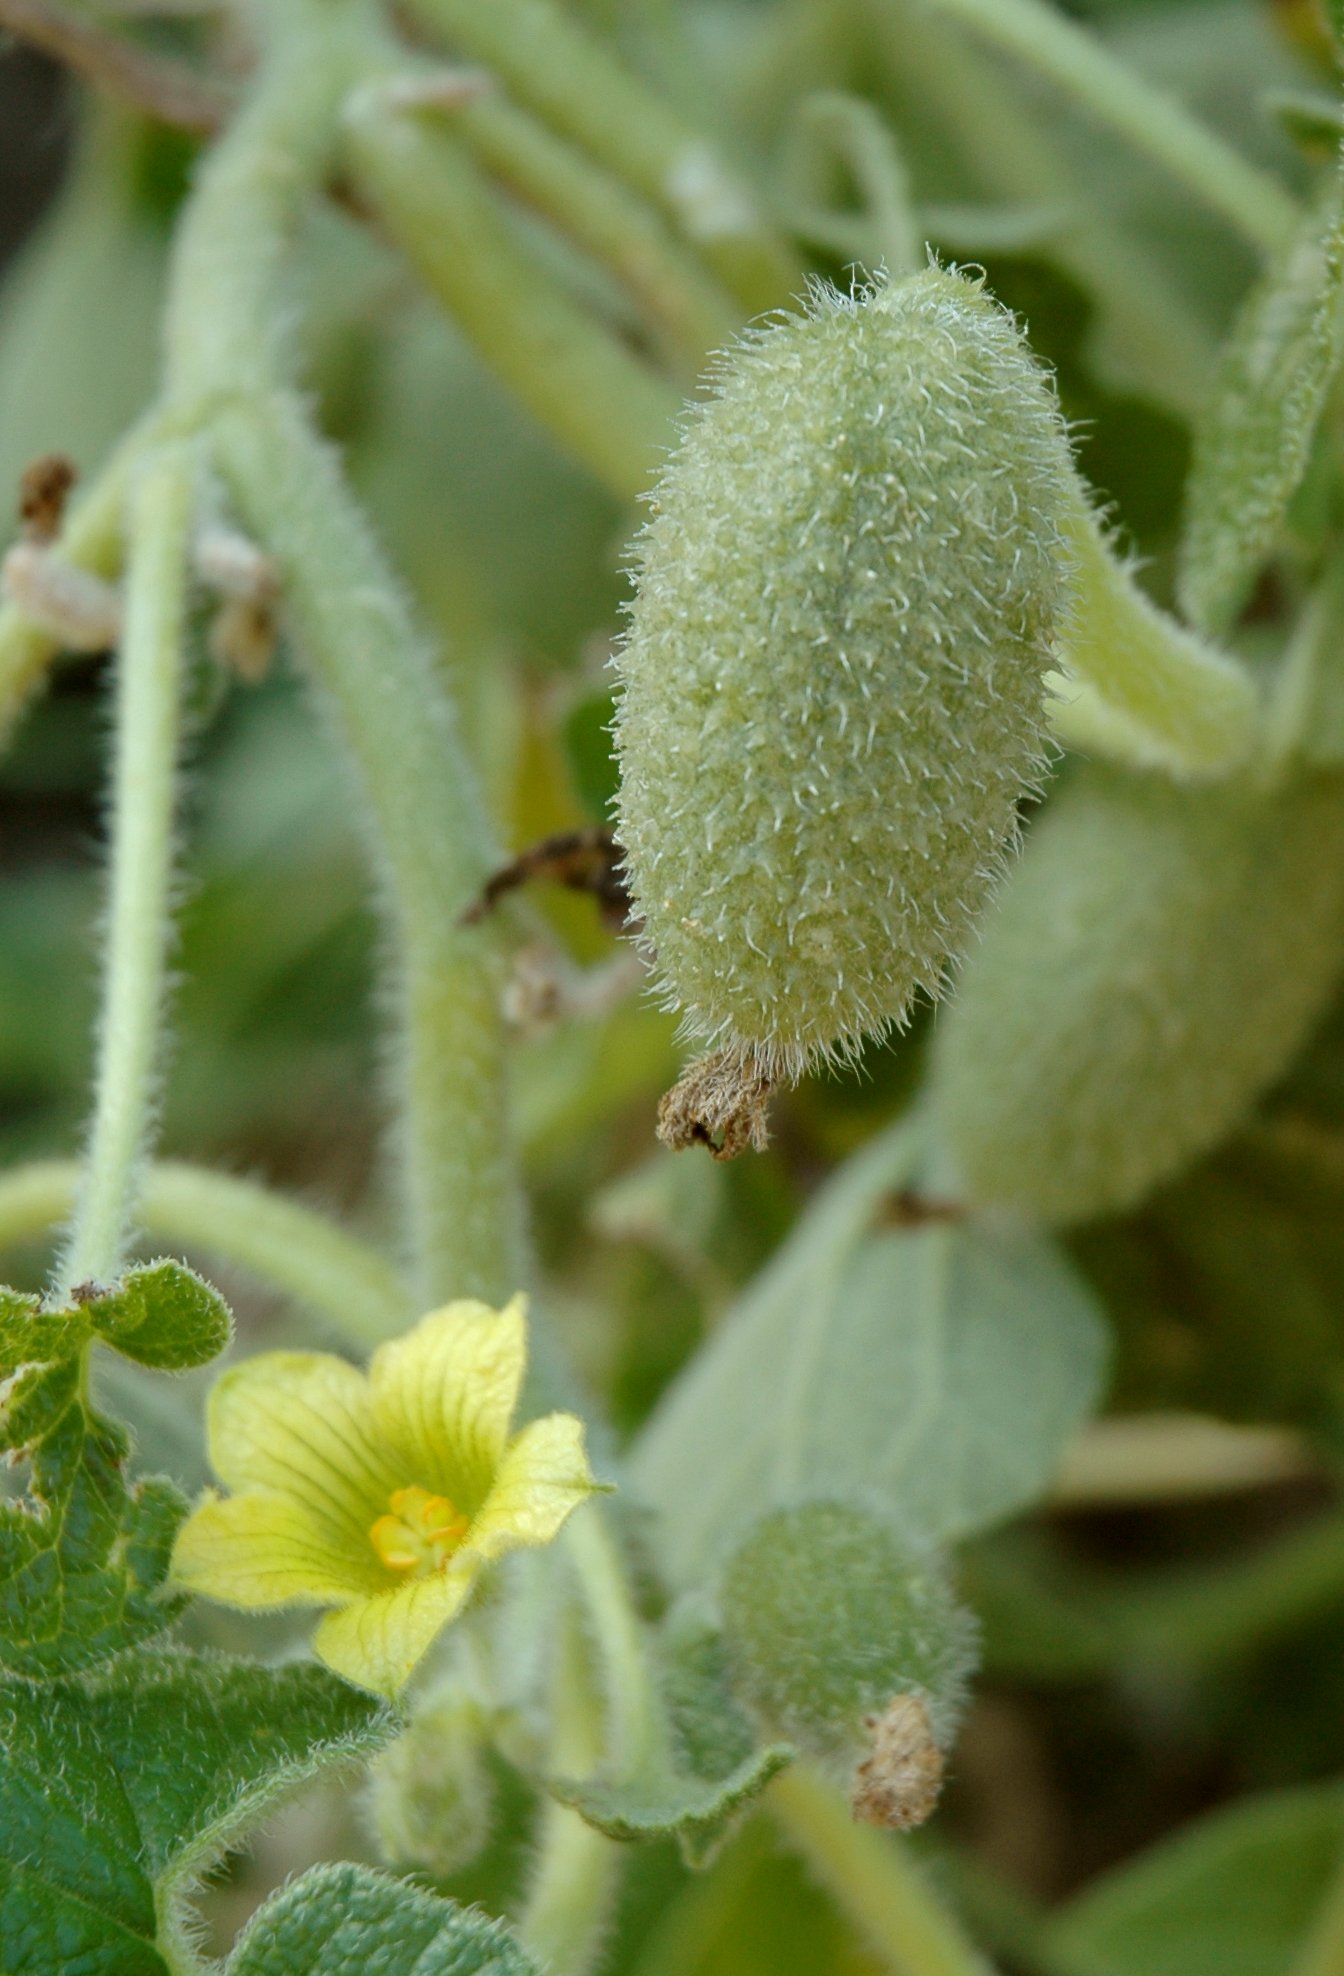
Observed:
{"x":1154,"y":963}
{"x":851,"y":1646}
{"x":848,"y":596}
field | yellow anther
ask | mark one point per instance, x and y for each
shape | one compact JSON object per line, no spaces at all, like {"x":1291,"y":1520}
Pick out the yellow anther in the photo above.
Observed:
{"x":421,"y":1532}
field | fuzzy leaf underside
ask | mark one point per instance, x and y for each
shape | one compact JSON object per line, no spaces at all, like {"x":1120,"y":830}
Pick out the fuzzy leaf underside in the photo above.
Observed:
{"x":346,"y":1920}
{"x":698,"y":1811}
{"x":703,"y":1763}
{"x":934,"y":1372}
{"x":120,"y":1786}
{"x":1252,"y":447}
{"x":1231,"y":1895}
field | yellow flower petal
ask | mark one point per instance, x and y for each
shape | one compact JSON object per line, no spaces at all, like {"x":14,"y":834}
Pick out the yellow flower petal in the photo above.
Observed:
{"x":260,"y":1549}
{"x":301,"y":1424}
{"x":543,"y":1476}
{"x":378,"y":1642}
{"x":444,"y":1396}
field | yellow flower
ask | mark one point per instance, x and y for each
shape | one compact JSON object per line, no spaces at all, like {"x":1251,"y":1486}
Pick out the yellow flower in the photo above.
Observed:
{"x":384,"y":1495}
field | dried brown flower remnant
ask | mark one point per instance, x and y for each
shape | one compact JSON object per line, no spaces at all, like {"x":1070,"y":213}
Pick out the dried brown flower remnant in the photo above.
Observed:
{"x":898,"y":1782}
{"x":44,"y":488}
{"x":582,"y":860}
{"x":719,"y":1101}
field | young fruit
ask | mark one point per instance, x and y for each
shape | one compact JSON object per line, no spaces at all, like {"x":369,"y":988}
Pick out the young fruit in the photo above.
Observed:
{"x":852,"y":1647}
{"x":1155,"y":962}
{"x":833,"y":698}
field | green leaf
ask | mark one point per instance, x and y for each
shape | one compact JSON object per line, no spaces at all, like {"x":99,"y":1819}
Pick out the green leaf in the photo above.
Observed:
{"x":935,"y":1372}
{"x":701,"y":1766}
{"x":1231,"y":1895}
{"x":118,"y":1788}
{"x":1252,"y":447}
{"x":349,"y":1920}
{"x":84,"y":1556}
{"x":162,"y":1314}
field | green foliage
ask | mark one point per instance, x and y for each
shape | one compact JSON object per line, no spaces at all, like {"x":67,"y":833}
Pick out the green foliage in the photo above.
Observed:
{"x":829,"y":1616}
{"x":1232,"y":1895}
{"x":934,"y":1372}
{"x":1252,"y":446}
{"x":345,"y":1920}
{"x":84,"y":1554}
{"x":700,"y":1763}
{"x":120,"y":1789}
{"x":1157,"y":959}
{"x":162,"y":1315}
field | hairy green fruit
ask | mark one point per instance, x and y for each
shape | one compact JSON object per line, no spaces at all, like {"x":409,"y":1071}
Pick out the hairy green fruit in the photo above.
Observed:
{"x":1153,"y":965}
{"x":848,"y":596}
{"x":852,"y":1647}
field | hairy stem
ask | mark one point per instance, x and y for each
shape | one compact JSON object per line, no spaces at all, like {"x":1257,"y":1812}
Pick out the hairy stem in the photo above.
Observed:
{"x":165,"y":89}
{"x":556,"y":69}
{"x":688,"y":311}
{"x":1155,"y":124}
{"x":287,"y":1247}
{"x":377,"y":678}
{"x":574,"y":1878}
{"x":1146,"y":329}
{"x":1180,"y":704}
{"x":149,"y":690}
{"x":872,"y":1878}
{"x":610,"y":409}
{"x":430,"y":841}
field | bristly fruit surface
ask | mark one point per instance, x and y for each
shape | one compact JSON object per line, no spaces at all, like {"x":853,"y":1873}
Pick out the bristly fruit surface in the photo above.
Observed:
{"x":847,"y":597}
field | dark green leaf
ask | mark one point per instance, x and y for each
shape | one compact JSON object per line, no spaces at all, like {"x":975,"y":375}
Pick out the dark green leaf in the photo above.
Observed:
{"x":1230,"y":1896}
{"x":350,"y":1921}
{"x":84,"y":1556}
{"x":117,"y":1788}
{"x":1252,"y":447}
{"x":162,"y":1314}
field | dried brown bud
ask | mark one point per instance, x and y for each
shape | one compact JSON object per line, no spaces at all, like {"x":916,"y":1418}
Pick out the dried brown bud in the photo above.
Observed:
{"x":898,"y":1782}
{"x":719,"y":1101}
{"x":43,"y":490}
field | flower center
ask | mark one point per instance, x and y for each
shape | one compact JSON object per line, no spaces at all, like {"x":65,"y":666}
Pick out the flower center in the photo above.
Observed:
{"x":420,"y":1533}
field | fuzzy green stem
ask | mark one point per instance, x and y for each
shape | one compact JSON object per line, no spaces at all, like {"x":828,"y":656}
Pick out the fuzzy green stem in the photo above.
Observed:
{"x":1155,"y":124}
{"x":566,"y":77}
{"x":1146,"y":329}
{"x":872,"y":1878}
{"x":612,"y":411}
{"x":430,"y":839}
{"x":632,"y":1705}
{"x":149,"y":692}
{"x":287,"y":1247}
{"x":1167,"y":698}
{"x":378,"y":679}
{"x":689,"y":312}
{"x":563,"y":1920}
{"x":228,"y":324}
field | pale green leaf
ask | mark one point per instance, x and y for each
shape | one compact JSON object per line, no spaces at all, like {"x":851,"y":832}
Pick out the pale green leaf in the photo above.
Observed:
{"x":350,"y":1921}
{"x":702,"y":1764}
{"x":1232,"y":1895}
{"x":935,"y":1371}
{"x":1252,"y":446}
